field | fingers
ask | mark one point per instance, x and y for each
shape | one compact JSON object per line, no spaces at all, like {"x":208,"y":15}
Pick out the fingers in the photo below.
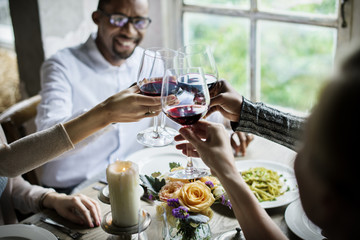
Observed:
{"x":249,"y":138}
{"x":80,"y":209}
{"x":93,"y":210}
{"x":243,"y":144}
{"x":150,"y":111}
{"x":213,"y":107}
{"x":187,"y":149}
{"x":240,"y":141}
{"x":217,"y":88}
{"x":190,"y":136}
{"x":151,"y":106}
{"x":134,"y":88}
{"x":147,"y":100}
{"x":196,"y":132}
{"x":154,"y":101}
{"x":234,"y":145}
{"x":194,"y":135}
{"x":217,"y":100}
{"x":211,"y":111}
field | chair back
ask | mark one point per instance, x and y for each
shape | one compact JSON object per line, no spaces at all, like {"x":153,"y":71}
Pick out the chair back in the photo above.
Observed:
{"x":13,"y":122}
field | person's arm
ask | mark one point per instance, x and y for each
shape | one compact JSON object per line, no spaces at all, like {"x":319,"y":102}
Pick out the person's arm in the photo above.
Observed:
{"x":270,"y":123}
{"x":126,"y":106}
{"x":256,"y":118}
{"x":34,"y":150}
{"x":210,"y":142}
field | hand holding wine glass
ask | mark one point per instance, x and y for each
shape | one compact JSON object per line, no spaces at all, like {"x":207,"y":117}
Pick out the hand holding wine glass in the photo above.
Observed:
{"x":189,"y":87}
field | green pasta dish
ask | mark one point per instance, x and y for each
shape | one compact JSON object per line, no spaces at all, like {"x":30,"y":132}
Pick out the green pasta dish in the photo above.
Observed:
{"x":266,"y":184}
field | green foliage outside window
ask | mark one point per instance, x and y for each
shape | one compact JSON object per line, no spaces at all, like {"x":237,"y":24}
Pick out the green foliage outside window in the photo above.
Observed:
{"x":293,"y":59}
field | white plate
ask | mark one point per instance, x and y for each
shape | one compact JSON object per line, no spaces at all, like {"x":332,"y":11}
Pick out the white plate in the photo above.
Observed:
{"x":152,"y":160}
{"x":21,"y":231}
{"x":157,"y":159}
{"x":300,"y":224}
{"x":286,"y":172}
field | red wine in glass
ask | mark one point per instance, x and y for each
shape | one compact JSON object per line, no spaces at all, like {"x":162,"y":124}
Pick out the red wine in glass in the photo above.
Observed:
{"x":187,"y":114}
{"x":200,"y":55}
{"x":192,"y":84}
{"x":153,"y":87}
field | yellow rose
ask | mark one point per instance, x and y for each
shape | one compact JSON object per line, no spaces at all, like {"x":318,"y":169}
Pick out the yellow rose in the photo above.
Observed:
{"x":212,"y":179}
{"x":196,"y":196}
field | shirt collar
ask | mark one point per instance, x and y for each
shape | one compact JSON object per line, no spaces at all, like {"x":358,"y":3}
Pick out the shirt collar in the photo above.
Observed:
{"x":99,"y":62}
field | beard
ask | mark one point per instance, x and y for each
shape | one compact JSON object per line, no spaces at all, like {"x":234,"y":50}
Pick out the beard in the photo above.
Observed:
{"x":122,"y":55}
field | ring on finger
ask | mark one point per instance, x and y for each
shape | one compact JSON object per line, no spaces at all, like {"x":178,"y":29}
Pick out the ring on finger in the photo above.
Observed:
{"x":149,"y":112}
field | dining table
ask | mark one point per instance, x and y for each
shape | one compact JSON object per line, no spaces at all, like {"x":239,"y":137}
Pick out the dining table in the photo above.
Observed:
{"x":222,"y":221}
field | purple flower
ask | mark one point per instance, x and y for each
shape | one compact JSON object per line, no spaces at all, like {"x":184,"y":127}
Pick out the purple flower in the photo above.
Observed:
{"x":151,"y":197}
{"x":209,"y":184}
{"x":173,"y":202}
{"x":180,"y":212}
{"x":222,"y":199}
{"x":225,"y":202}
{"x":228,"y":203}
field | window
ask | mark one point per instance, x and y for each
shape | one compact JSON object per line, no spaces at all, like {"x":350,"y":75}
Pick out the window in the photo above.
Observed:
{"x":278,"y":52}
{"x":6,"y":30}
{"x":9,"y":76}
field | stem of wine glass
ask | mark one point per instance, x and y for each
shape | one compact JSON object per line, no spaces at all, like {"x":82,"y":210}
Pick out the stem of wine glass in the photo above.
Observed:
{"x":155,"y":128}
{"x":189,"y":165}
{"x":163,"y":120}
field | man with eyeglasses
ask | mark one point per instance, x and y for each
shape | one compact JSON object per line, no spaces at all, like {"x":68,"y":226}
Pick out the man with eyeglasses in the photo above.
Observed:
{"x":77,"y":78}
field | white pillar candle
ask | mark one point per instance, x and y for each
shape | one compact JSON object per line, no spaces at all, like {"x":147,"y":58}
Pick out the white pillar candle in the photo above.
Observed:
{"x":123,"y":180}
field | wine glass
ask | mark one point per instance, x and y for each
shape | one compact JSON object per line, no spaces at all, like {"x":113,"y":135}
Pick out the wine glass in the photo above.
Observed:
{"x":188,"y":86}
{"x":153,"y":64}
{"x":200,"y":55}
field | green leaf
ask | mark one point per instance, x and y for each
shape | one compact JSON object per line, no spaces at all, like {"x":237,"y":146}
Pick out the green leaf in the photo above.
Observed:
{"x":188,"y":232}
{"x":197,"y":218}
{"x":156,"y":174}
{"x":152,"y":184}
{"x":174,"y":165}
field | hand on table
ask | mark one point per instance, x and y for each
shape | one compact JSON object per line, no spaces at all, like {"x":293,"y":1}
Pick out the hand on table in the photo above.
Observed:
{"x":240,"y":141}
{"x":77,"y":208}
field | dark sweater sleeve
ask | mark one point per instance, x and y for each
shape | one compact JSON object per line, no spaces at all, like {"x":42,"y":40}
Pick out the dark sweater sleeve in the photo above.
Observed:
{"x":270,"y":123}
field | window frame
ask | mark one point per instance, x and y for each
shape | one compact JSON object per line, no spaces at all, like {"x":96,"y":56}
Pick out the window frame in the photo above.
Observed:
{"x":173,"y":30}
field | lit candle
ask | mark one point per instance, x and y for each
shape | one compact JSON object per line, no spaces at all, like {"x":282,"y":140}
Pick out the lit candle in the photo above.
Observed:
{"x":123,"y":179}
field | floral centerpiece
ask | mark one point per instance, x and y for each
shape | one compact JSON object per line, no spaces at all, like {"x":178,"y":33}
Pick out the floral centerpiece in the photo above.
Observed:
{"x":185,"y":205}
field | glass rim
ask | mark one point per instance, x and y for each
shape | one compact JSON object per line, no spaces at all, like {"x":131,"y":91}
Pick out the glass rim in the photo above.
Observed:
{"x":160,"y":49}
{"x":200,"y":69}
{"x":203,"y":48}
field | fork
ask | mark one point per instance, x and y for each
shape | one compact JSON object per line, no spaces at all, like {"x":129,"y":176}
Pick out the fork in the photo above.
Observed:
{"x":68,"y":231}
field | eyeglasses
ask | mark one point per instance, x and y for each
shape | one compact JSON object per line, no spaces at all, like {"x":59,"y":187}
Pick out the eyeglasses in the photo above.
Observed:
{"x":120,"y":20}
